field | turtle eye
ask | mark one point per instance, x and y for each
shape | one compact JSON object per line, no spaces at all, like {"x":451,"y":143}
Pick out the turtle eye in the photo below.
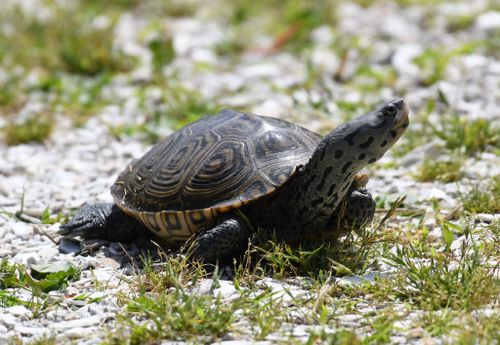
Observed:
{"x":389,"y":110}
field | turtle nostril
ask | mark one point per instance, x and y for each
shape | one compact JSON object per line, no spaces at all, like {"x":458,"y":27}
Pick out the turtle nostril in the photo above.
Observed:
{"x":398,"y":103}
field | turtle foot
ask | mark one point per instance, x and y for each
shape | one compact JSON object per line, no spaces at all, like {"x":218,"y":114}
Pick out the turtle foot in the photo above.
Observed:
{"x":105,"y":221}
{"x":89,"y":222}
{"x":223,"y":242}
{"x":359,"y":210}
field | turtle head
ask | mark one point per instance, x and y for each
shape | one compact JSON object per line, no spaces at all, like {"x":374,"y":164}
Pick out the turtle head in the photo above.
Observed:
{"x":369,"y":136}
{"x":325,"y":180}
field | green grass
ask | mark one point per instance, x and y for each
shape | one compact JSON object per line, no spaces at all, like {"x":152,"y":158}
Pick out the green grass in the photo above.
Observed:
{"x":175,"y":316}
{"x":70,"y":45}
{"x":72,"y":64}
{"x":469,"y":136}
{"x":434,"y":280}
{"x":44,"y":340}
{"x":461,"y":22}
{"x":163,"y":52}
{"x":443,"y":171}
{"x":176,"y":107}
{"x":434,"y":61}
{"x":292,"y":32}
{"x":39,"y":280}
{"x":488,"y":201}
{"x":35,"y":128}
{"x":461,"y":135}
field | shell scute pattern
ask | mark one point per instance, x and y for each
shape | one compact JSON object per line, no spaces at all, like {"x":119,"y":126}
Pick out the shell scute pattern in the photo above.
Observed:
{"x":216,"y":164}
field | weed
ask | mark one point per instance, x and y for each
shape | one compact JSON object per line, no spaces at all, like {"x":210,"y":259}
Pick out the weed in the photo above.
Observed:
{"x":163,"y":52}
{"x":71,"y":44}
{"x":174,"y":272}
{"x":32,"y":129}
{"x":176,"y":107}
{"x":444,"y":171}
{"x":382,"y":327}
{"x":437,"y":322}
{"x":460,"y":22}
{"x":175,"y":316}
{"x":45,"y":340}
{"x":39,"y":281}
{"x":48,"y":218}
{"x":471,"y":136}
{"x":341,"y":337}
{"x":460,"y":134}
{"x":435,"y":280}
{"x":478,"y":201}
{"x":90,"y":52}
{"x":477,"y":330}
{"x":11,"y":96}
{"x":433,"y":62}
{"x":298,"y":20}
{"x":265,"y":312}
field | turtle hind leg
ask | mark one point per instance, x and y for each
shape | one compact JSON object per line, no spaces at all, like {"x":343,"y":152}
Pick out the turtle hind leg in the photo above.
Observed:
{"x":103,"y":220}
{"x":354,"y":212}
{"x":223,"y":242}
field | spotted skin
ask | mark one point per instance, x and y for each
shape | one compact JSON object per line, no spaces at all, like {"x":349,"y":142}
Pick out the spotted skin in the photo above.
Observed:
{"x":229,"y":173}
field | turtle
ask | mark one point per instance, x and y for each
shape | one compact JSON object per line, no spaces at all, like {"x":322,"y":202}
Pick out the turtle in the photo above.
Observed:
{"x":222,"y":177}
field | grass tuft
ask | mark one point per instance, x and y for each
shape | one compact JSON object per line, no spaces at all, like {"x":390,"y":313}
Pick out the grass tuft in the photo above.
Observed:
{"x":73,"y":44}
{"x":433,"y":281}
{"x":32,"y":129}
{"x":471,"y":136}
{"x":173,"y":316}
{"x":478,"y":201}
{"x":444,"y":171}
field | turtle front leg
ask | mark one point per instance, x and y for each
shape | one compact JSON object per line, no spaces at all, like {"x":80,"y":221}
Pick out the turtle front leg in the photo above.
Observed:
{"x":354,"y":212}
{"x":103,"y":220}
{"x":223,"y":241}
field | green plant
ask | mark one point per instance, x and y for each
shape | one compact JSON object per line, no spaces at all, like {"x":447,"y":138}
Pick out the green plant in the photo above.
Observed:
{"x":35,"y":128}
{"x":488,"y":201}
{"x":175,"y":316}
{"x":434,"y":280}
{"x":38,"y":281}
{"x":444,"y":171}
{"x":71,"y":44}
{"x":163,"y":52}
{"x":472,"y":136}
{"x":433,"y":62}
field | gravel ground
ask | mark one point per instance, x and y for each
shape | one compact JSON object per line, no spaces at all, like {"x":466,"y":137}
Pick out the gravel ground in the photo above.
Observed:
{"x":78,"y":165}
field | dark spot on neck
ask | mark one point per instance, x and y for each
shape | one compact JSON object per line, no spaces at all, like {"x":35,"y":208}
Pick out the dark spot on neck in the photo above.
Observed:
{"x":384,"y":143}
{"x":373,"y":160}
{"x":338,"y":154}
{"x":346,"y":166}
{"x":331,"y":189}
{"x":316,"y":202}
{"x":347,"y":176}
{"x":362,"y":156}
{"x":393,"y":133}
{"x":350,"y":138}
{"x":326,"y":172}
{"x":367,"y":143}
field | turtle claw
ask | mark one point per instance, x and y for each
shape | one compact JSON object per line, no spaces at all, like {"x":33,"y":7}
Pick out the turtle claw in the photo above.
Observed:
{"x":88,"y":222}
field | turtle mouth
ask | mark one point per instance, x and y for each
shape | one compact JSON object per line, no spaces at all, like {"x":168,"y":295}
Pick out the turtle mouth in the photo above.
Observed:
{"x":402,"y":118}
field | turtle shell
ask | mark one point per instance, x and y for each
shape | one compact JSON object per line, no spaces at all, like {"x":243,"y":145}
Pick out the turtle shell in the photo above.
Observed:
{"x":211,"y":166}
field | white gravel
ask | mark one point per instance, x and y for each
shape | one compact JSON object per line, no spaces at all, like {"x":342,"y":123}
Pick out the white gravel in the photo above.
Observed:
{"x":78,"y":165}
